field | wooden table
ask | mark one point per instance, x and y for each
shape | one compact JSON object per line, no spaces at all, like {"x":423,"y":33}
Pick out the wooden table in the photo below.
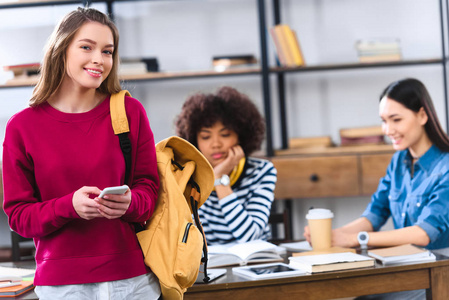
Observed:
{"x":432,"y":276}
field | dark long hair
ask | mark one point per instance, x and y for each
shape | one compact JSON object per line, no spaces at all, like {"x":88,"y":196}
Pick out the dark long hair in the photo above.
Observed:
{"x":413,"y":95}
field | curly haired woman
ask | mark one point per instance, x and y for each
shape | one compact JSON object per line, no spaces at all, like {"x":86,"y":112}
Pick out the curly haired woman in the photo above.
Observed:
{"x":227,"y":127}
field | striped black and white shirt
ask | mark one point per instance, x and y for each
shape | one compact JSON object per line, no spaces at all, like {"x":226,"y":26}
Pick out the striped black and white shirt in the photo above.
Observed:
{"x":243,"y":215}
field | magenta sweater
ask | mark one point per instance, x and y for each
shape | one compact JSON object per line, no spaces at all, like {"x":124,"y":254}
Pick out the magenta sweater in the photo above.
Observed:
{"x":47,"y":156}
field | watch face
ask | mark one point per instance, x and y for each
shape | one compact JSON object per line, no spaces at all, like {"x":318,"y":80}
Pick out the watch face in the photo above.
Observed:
{"x":363,"y":238}
{"x":225,"y":180}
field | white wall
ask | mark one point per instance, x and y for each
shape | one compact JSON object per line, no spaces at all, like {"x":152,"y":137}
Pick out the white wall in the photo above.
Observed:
{"x":184,"y":35}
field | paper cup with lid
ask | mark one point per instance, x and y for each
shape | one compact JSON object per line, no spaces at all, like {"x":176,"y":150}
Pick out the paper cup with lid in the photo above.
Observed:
{"x":320,"y":226}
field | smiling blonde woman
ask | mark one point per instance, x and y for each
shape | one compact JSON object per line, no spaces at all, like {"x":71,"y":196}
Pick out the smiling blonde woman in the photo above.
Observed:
{"x":59,"y":154}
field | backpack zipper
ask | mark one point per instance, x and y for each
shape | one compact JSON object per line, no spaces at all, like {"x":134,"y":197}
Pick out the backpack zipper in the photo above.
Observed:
{"x":186,"y":232}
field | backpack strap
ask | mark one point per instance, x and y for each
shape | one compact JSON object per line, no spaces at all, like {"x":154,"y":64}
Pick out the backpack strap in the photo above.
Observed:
{"x":121,"y":127}
{"x":195,"y":195}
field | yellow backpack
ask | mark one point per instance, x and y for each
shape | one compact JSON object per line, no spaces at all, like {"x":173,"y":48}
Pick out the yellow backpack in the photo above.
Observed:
{"x":173,"y":243}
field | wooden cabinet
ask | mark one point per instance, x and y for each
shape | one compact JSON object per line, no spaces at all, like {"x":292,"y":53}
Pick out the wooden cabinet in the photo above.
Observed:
{"x":372,"y":168}
{"x":333,"y":172}
{"x":308,"y":177}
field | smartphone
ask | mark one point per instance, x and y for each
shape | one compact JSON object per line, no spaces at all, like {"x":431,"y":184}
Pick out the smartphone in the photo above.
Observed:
{"x":114,"y":190}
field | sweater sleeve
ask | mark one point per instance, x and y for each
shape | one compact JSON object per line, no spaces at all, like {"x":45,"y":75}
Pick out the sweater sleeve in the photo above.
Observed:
{"x":144,"y":176}
{"x":247,"y":222}
{"x":27,"y":215}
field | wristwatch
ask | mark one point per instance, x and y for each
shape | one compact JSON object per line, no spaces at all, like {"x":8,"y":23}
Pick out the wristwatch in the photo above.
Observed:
{"x":223,"y":180}
{"x":363,"y":238}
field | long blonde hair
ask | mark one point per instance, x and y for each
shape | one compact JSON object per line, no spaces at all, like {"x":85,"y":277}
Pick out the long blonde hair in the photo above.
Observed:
{"x":53,"y":68}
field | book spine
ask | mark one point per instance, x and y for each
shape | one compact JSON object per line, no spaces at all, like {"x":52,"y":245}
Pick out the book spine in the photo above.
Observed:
{"x":298,"y":46}
{"x":277,"y":45}
{"x":284,"y":46}
{"x":292,"y":46}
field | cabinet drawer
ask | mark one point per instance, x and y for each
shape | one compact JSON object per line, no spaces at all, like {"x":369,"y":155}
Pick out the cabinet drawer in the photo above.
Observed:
{"x":306,"y":177}
{"x":373,"y":168}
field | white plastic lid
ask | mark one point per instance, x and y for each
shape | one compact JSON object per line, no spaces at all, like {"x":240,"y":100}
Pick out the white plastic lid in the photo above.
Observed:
{"x":319,"y":213}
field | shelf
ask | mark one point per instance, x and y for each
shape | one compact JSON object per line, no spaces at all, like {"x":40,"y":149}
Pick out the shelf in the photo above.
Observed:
{"x":339,"y":150}
{"x":34,"y":3}
{"x":190,"y":74}
{"x":150,"y":76}
{"x":357,"y":65}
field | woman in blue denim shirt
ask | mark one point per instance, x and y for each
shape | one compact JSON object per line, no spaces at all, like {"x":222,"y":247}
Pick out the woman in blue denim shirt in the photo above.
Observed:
{"x":415,"y":189}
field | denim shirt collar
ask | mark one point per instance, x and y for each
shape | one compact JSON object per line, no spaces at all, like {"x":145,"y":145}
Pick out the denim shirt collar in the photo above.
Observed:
{"x":428,"y":160}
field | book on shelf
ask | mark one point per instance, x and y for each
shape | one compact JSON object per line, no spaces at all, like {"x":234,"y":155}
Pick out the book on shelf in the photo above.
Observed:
{"x":380,"y":58}
{"x":287,"y":46}
{"x":138,"y":65}
{"x":244,"y":253}
{"x":378,"y":44}
{"x":308,"y":142}
{"x":361,"y":131}
{"x":401,"y":254}
{"x":132,"y":67}
{"x":362,"y":136}
{"x":378,"y":50}
{"x":364,"y":140}
{"x":224,"y":62}
{"x":278,"y":46}
{"x":293,"y":45}
{"x":331,"y":262}
{"x":23,"y":70}
{"x":283,"y":50}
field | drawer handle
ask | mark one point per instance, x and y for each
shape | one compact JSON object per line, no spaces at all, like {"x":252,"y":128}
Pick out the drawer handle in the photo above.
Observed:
{"x":314,"y":178}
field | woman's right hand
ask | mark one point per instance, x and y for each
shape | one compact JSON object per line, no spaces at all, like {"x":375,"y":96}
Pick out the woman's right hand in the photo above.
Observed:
{"x":307,"y":234}
{"x":86,"y":207}
{"x":235,"y":154}
{"x":340,"y":238}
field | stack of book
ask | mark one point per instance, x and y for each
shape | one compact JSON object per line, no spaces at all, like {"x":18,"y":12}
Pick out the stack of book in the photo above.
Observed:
{"x":378,"y":50}
{"x":23,"y":70}
{"x":310,"y":142}
{"x":15,"y":281}
{"x":402,"y":254}
{"x":222,"y":63}
{"x":372,"y":135}
{"x":331,"y":262}
{"x":138,"y":65}
{"x":287,"y":46}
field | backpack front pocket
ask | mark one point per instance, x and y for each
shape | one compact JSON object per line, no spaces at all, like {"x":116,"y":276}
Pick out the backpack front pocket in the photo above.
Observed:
{"x":188,"y":257}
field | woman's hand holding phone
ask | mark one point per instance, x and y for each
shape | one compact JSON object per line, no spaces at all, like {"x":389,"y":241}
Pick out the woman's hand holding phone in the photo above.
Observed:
{"x":111,"y":203}
{"x":114,"y":201}
{"x":83,"y":204}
